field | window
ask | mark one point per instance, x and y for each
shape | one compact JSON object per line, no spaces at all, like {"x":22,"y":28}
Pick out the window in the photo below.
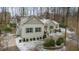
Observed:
{"x":34,"y":39}
{"x":40,"y":37}
{"x":23,"y":39}
{"x":29,"y":30}
{"x":38,"y":29}
{"x":26,"y":40}
{"x":19,"y":41}
{"x":51,"y":27}
{"x":30,"y":39}
{"x":37,"y":38}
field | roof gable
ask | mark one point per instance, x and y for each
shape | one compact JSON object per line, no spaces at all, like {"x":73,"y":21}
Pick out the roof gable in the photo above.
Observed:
{"x":33,"y":20}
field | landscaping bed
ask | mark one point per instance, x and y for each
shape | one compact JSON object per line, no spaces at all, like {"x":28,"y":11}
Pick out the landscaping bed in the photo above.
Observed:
{"x":53,"y":48}
{"x":51,"y":44}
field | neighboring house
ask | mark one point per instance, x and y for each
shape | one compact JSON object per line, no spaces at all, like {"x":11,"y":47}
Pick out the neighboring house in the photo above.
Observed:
{"x":30,"y":29}
{"x":50,"y":25}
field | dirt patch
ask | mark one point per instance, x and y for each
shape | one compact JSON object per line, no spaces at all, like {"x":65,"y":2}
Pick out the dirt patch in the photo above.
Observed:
{"x":14,"y":48}
{"x":72,"y":46}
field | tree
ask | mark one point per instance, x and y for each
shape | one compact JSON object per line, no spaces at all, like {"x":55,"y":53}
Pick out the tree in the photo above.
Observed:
{"x":23,"y":11}
{"x":7,"y":29}
{"x":47,"y":14}
{"x":66,"y":22}
{"x":77,"y":26}
{"x":41,"y":12}
{"x":77,"y":21}
{"x":6,"y":16}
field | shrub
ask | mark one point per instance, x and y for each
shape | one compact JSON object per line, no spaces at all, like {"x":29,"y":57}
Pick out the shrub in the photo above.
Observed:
{"x":7,"y":29}
{"x":13,"y":25}
{"x":62,"y":25}
{"x":49,"y":43}
{"x":44,"y":36}
{"x":59,"y":41}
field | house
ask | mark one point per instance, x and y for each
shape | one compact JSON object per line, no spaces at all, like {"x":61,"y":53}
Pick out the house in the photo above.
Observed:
{"x":30,"y":29}
{"x":33,"y":28}
{"x":50,"y":25}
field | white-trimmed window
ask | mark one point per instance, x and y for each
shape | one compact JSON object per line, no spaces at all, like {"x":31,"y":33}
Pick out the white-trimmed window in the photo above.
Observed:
{"x":29,"y":30}
{"x":38,"y":29}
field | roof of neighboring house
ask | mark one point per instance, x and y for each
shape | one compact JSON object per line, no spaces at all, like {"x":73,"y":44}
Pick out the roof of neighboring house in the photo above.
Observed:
{"x":47,"y":21}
